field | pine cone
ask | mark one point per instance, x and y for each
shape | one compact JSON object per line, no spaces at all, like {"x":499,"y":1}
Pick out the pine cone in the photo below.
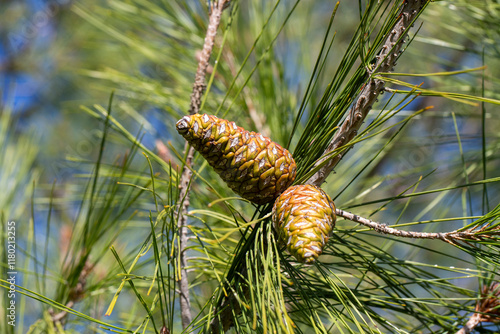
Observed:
{"x":304,"y":217}
{"x":252,"y":165}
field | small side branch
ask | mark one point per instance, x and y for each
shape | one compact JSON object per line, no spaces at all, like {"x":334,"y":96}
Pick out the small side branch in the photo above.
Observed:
{"x":182,"y":281}
{"x":450,"y":237}
{"x":487,"y":308}
{"x":385,"y":61}
{"x":199,"y":82}
{"x":198,"y":88}
{"x":474,"y":320}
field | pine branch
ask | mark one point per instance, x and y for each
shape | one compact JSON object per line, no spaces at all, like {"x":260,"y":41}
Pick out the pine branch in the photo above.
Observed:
{"x":229,"y":307}
{"x":182,"y":281}
{"x":385,"y":62}
{"x":198,"y":89}
{"x":474,"y":320}
{"x":199,"y":82}
{"x":450,"y":237}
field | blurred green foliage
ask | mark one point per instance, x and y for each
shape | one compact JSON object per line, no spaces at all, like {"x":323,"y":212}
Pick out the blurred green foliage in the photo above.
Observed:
{"x":108,"y":176}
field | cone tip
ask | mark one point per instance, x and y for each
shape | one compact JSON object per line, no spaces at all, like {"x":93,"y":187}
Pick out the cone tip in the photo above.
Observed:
{"x":183,"y":124}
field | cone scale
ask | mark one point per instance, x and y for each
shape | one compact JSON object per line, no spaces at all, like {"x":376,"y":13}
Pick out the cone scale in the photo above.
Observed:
{"x":252,"y":165}
{"x":304,"y":217}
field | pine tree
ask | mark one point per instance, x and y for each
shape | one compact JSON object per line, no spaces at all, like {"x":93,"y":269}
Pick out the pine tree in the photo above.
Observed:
{"x":388,"y":109}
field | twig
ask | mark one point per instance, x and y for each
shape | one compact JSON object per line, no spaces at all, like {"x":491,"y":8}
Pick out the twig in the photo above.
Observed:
{"x":449,"y":237}
{"x":385,"y":61}
{"x":487,"y":308}
{"x":199,"y":82}
{"x":59,"y":317}
{"x":474,"y":320}
{"x":182,"y":281}
{"x":198,"y":88}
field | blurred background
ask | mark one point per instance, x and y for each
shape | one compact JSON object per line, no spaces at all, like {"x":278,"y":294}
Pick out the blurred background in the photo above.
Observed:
{"x":61,"y":58}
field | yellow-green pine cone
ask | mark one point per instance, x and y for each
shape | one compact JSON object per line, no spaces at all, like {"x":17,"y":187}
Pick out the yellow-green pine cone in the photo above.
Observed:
{"x":252,"y":165}
{"x":304,"y":217}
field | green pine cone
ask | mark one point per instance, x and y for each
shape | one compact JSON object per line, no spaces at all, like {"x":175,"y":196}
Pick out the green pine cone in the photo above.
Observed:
{"x":252,"y":165}
{"x":304,"y":217}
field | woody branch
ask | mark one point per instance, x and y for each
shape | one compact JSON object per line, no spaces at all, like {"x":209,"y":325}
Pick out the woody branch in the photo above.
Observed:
{"x":452,"y":237}
{"x":198,"y":88}
{"x":199,"y":82}
{"x":385,"y":62}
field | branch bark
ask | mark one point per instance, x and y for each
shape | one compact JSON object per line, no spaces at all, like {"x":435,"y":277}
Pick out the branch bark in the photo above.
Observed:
{"x":198,"y":88}
{"x":487,"y":308}
{"x":182,"y":280}
{"x":385,"y":62}
{"x":450,"y":237}
{"x":471,"y":324}
{"x":199,"y":82}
